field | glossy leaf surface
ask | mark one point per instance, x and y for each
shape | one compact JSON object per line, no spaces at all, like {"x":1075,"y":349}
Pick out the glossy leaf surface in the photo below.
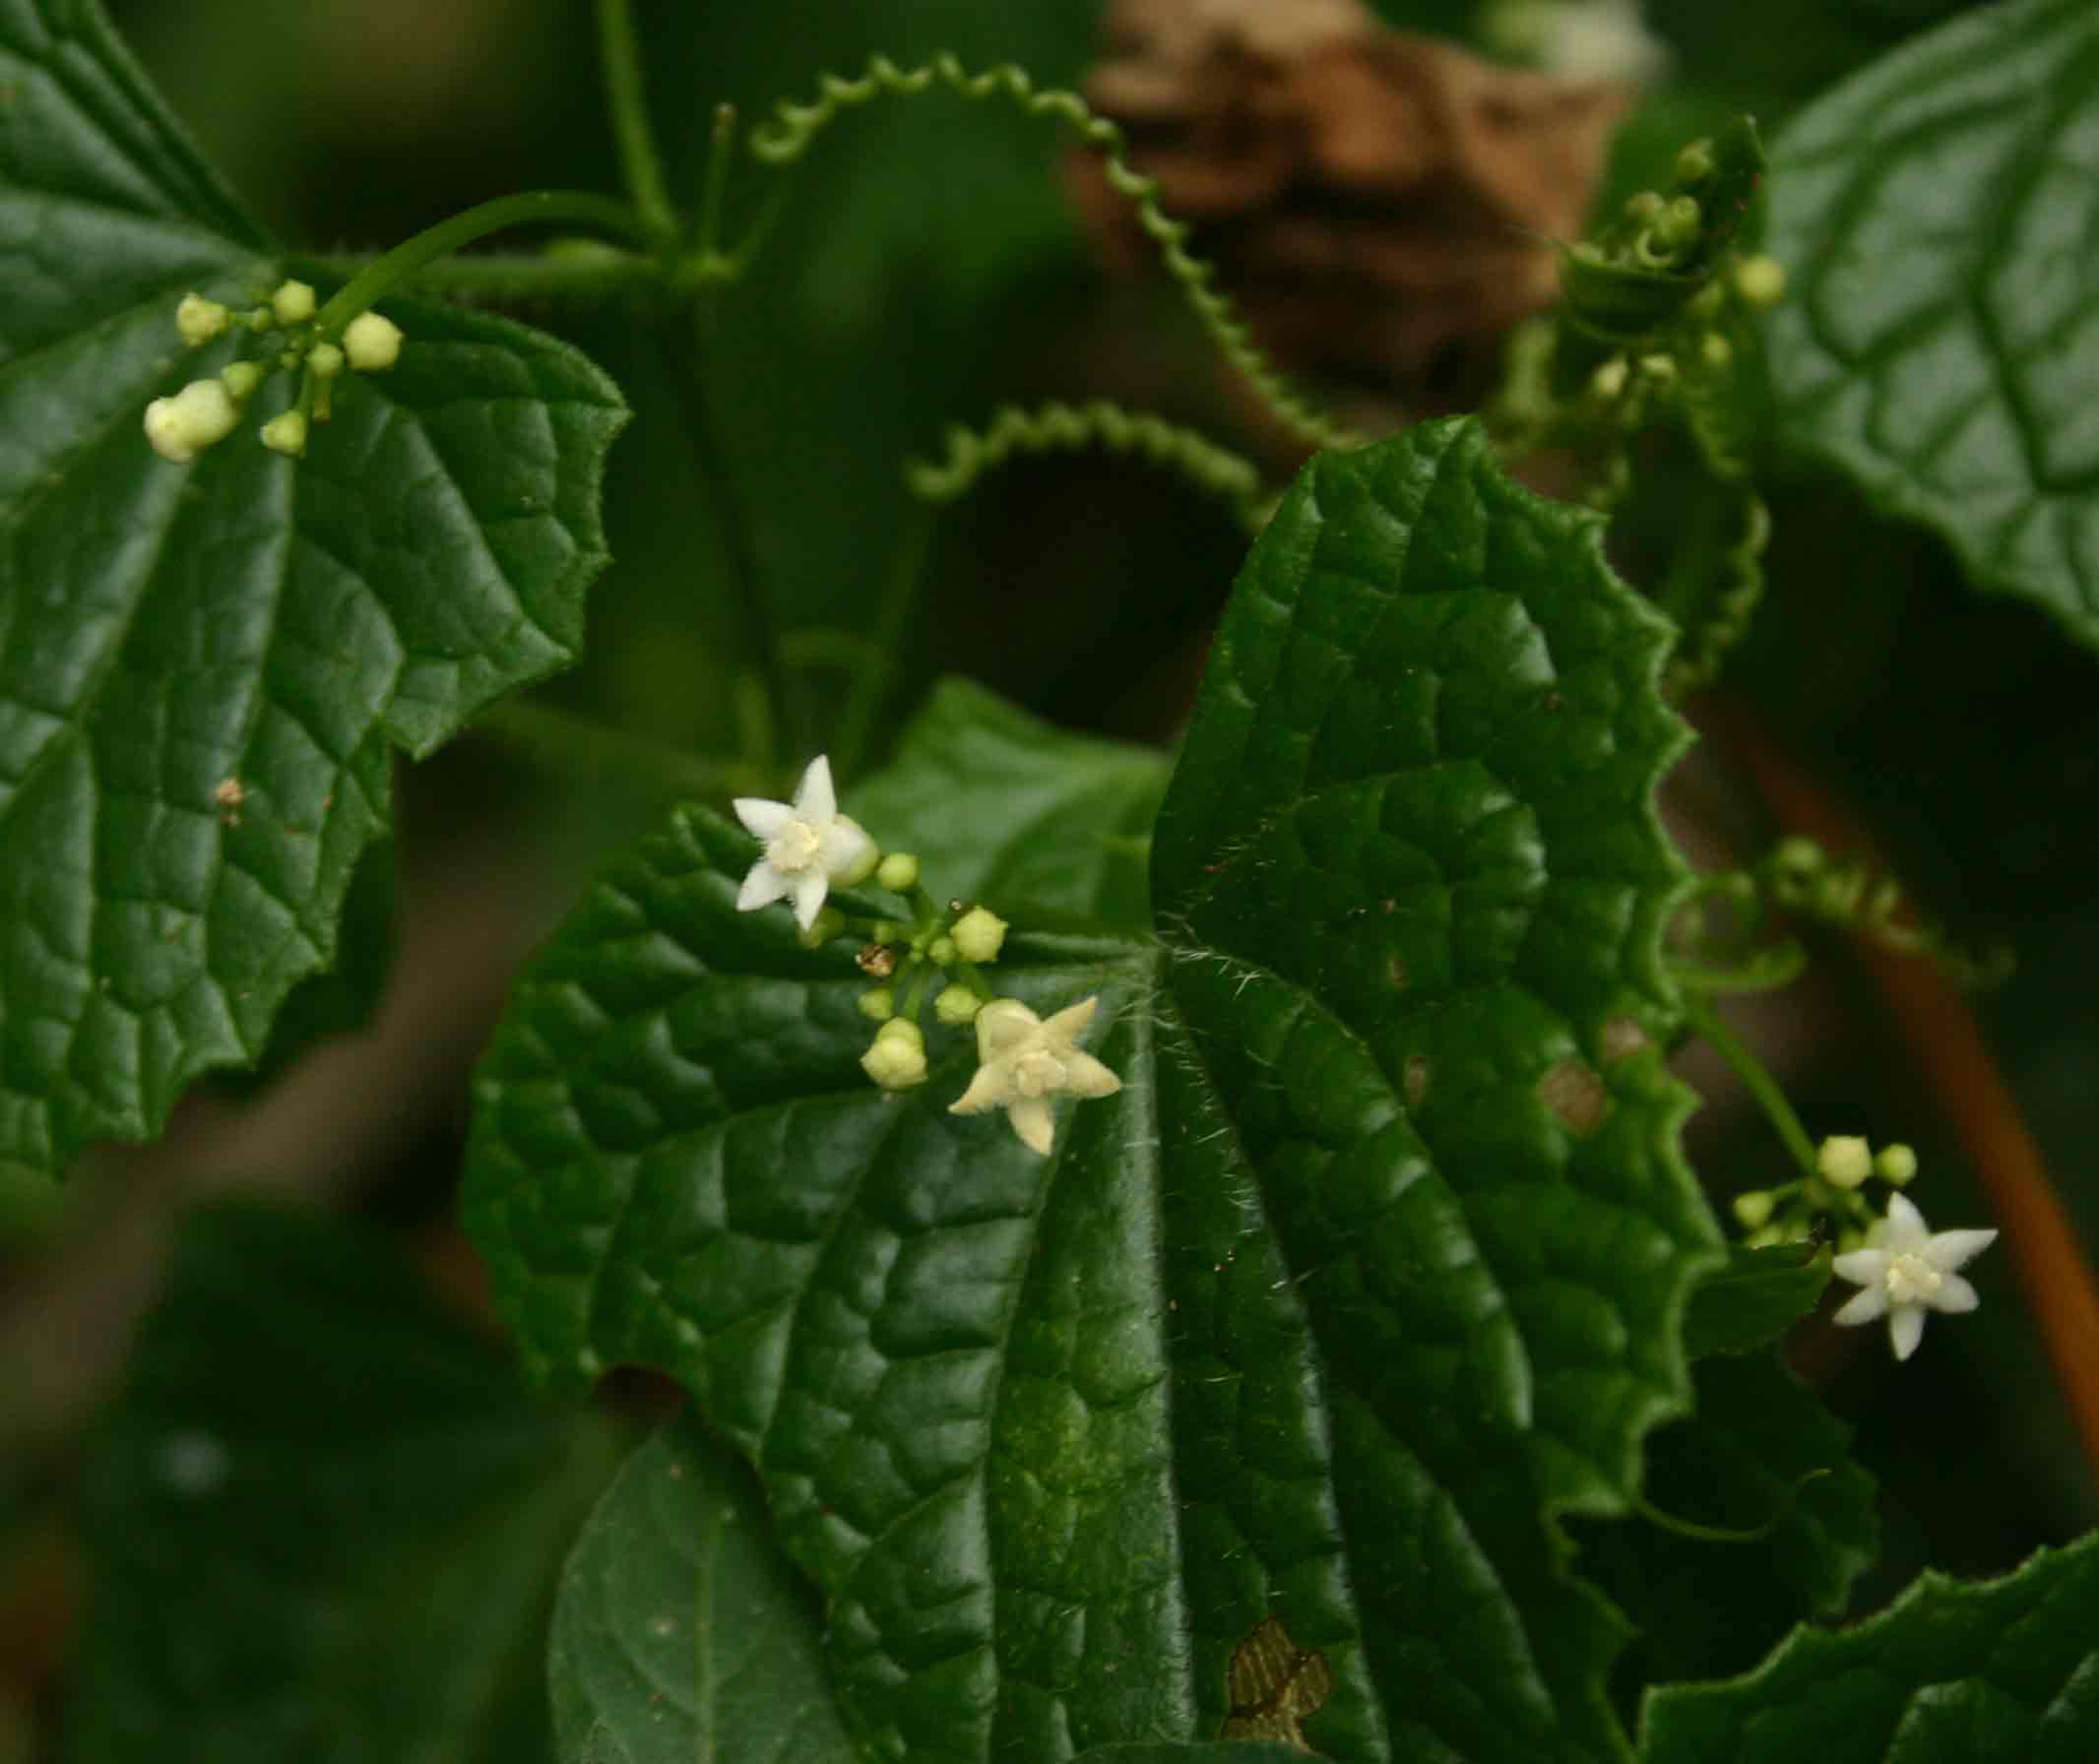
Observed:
{"x":681,"y":1634}
{"x":1952,"y":1673}
{"x":1007,"y":809}
{"x":204,"y":669}
{"x":1941,"y":342}
{"x":1374,"y":1264}
{"x":322,"y":1522}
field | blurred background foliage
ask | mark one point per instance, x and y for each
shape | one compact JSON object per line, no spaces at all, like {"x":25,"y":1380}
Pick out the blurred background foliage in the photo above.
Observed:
{"x":927,"y":267}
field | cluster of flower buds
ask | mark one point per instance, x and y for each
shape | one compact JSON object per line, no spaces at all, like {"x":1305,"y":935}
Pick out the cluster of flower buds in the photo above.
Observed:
{"x":1902,"y":1268}
{"x":1023,"y":1060}
{"x":287,"y":329}
{"x":1801,"y":878}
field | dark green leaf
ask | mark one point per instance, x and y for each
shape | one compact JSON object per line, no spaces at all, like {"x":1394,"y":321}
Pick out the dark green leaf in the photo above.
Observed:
{"x":1375,"y":1261}
{"x":1953,"y":1672}
{"x":681,"y":1633}
{"x":1215,"y":1751}
{"x":1754,"y":1299}
{"x":1002,"y":807}
{"x":1942,"y":345}
{"x":1760,"y":1455}
{"x":204,"y":669}
{"x":323,"y":1522}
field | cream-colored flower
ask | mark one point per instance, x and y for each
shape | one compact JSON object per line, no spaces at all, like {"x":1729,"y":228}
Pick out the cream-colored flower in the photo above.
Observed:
{"x":1023,"y":1060}
{"x":197,"y":416}
{"x":1905,"y":1268}
{"x":808,"y":846}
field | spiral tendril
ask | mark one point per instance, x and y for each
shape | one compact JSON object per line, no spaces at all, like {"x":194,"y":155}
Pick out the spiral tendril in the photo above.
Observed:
{"x":787,"y":135}
{"x":1065,"y":428}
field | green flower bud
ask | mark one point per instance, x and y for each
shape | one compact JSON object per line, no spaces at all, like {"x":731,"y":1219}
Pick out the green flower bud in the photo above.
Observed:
{"x":956,"y":1006}
{"x":1753,"y":1209}
{"x":861,"y":867}
{"x":1608,"y":380}
{"x":240,"y":379}
{"x":1715,"y":350}
{"x":1896,"y":1166}
{"x":286,"y":434}
{"x":1844,"y":1161}
{"x":1695,"y":162}
{"x":292,"y":304}
{"x":1760,"y":281}
{"x":942,"y":952}
{"x":897,"y":1060}
{"x":878,"y":1002}
{"x":200,"y":319}
{"x":980,"y":934}
{"x":372,"y":342}
{"x":898,"y":872}
{"x":324,"y":360}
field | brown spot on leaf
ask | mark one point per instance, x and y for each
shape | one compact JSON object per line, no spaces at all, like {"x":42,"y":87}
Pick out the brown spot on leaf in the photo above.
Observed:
{"x":1413,"y":1079}
{"x":1621,"y":1037}
{"x":1272,"y":1685}
{"x":1571,"y":1090}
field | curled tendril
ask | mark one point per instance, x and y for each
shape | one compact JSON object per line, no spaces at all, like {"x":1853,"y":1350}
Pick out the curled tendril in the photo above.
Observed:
{"x":1715,"y":615}
{"x":787,"y":136}
{"x":1062,"y":428}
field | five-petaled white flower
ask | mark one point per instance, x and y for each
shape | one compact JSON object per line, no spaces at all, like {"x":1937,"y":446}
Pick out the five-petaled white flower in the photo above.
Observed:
{"x":808,"y":846}
{"x":1905,"y":1268}
{"x":1023,"y":1060}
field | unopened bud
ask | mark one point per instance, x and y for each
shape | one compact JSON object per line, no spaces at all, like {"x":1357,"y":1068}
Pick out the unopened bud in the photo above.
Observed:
{"x":898,"y":872}
{"x":181,"y":428}
{"x":240,"y":379}
{"x":1716,"y":351}
{"x":897,"y":1060}
{"x":200,"y":319}
{"x":1896,"y":1166}
{"x":1760,"y":281}
{"x":1753,"y":1209}
{"x":1844,"y":1161}
{"x":1608,"y":380}
{"x":980,"y":934}
{"x":878,"y":1002}
{"x":293,"y":303}
{"x":287,"y":435}
{"x":1660,"y":368}
{"x":1681,"y":221}
{"x":1695,"y":161}
{"x":941,"y":951}
{"x":324,"y":362}
{"x":956,"y":1006}
{"x":372,"y":342}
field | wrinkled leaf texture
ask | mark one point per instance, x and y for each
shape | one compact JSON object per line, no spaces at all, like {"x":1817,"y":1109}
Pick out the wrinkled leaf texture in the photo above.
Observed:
{"x":1376,"y":1261}
{"x":204,"y":669}
{"x":1941,"y":342}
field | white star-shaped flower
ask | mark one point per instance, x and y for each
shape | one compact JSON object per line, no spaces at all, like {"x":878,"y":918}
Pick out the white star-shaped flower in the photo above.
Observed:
{"x":808,"y":846}
{"x":1906,"y":1268}
{"x":1023,"y":1060}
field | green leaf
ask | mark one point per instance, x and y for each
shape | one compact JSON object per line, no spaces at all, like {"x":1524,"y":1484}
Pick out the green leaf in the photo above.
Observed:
{"x":1761,"y":1455}
{"x":204,"y":669}
{"x":681,"y":1634}
{"x":1376,"y":1260}
{"x":1002,"y":807}
{"x":2006,"y":1670}
{"x":1754,"y":1299}
{"x":323,"y":1522}
{"x":1215,"y":1751}
{"x":1942,"y":345}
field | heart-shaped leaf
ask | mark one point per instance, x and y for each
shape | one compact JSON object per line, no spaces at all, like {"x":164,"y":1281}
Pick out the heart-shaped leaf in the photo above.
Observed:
{"x":1942,"y":346}
{"x":204,"y":669}
{"x":683,"y":1635}
{"x":1254,"y":1402}
{"x":323,"y":1521}
{"x":1952,"y":1673}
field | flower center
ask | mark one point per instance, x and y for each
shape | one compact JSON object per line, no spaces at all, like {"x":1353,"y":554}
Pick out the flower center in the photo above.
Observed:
{"x":1038,"y":1074}
{"x":1911,"y":1279}
{"x":794,"y":849}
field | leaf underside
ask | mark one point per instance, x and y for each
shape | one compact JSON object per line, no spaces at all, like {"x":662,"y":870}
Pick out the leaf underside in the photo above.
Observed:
{"x":1376,"y":1262}
{"x":204,"y":669}
{"x":1942,"y":345}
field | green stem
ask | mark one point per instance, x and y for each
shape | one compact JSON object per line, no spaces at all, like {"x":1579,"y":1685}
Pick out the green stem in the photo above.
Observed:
{"x":530,"y":207}
{"x":853,"y":739}
{"x":620,"y":54}
{"x":1756,"y":1080}
{"x":720,"y":143}
{"x":603,"y":274}
{"x":569,"y":742}
{"x":686,"y":358}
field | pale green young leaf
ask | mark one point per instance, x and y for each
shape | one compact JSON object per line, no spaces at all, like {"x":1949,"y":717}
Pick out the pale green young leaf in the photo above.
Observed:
{"x":1374,"y":1264}
{"x":205,"y":669}
{"x":1953,"y":1672}
{"x":683,"y":1635}
{"x":1940,"y":343}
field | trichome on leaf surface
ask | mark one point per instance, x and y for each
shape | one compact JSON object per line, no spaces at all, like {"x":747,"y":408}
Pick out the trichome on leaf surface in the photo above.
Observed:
{"x":798,"y":1207}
